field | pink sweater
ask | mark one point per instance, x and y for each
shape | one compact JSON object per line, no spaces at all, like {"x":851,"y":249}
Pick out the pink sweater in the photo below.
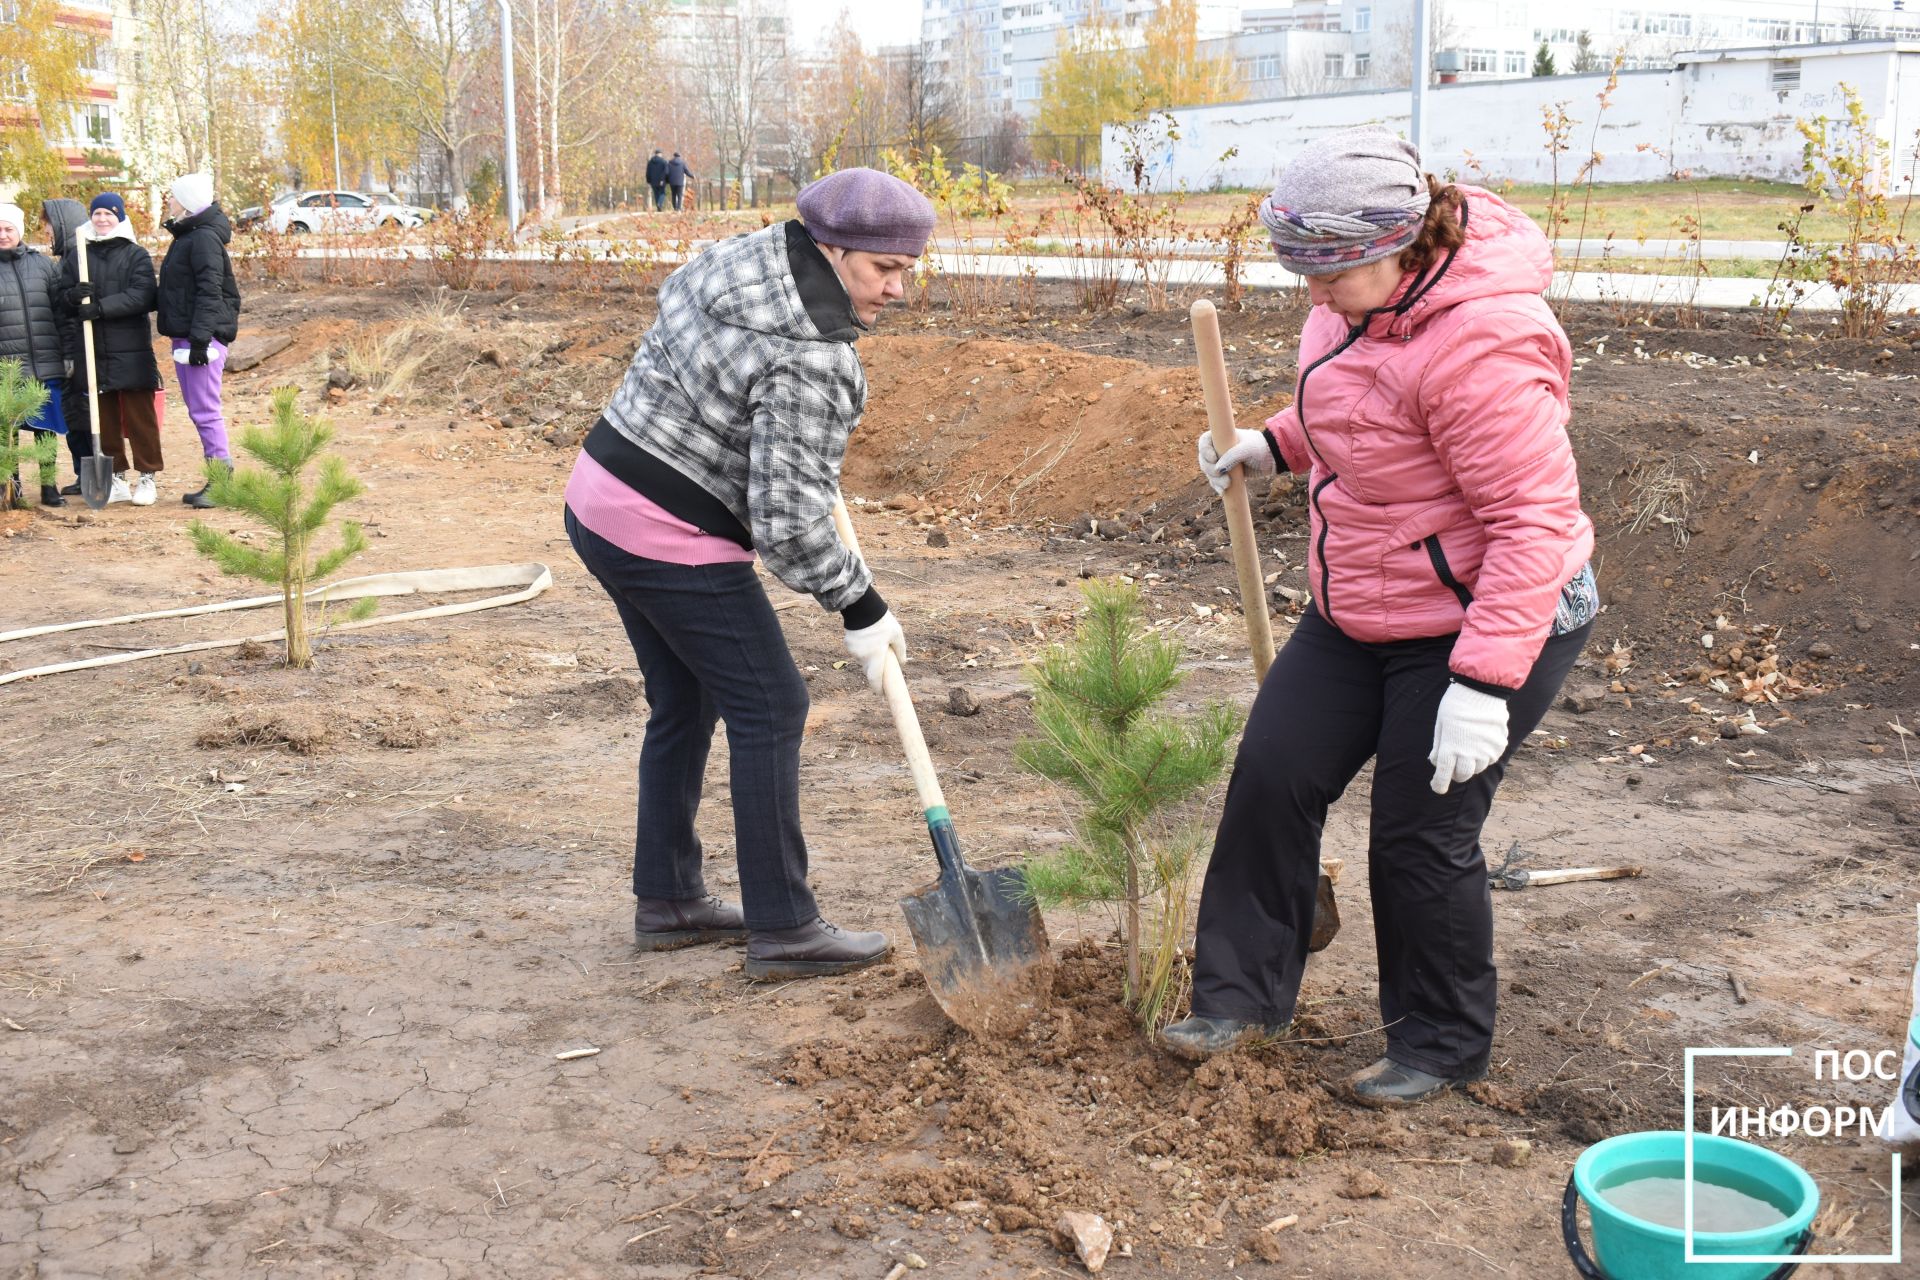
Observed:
{"x":603,"y":503}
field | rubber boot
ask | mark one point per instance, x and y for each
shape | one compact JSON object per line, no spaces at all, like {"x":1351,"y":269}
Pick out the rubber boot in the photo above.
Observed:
{"x":1198,"y":1037}
{"x":1391,"y":1084}
{"x":50,"y":496}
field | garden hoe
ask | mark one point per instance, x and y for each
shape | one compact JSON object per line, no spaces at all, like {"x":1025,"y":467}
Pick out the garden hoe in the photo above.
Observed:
{"x":1246,"y":563}
{"x":96,"y":470}
{"x":981,"y":941}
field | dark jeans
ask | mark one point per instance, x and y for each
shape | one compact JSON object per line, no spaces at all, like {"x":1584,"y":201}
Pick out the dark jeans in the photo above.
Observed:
{"x":73,"y":408}
{"x":710,"y":648}
{"x":1328,"y":705}
{"x":659,"y":196}
{"x":676,"y":196}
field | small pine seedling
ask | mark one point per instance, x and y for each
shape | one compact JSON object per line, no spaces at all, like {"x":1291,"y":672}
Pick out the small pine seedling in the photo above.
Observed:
{"x":22,"y":396}
{"x":275,"y":494}
{"x":1134,"y":770}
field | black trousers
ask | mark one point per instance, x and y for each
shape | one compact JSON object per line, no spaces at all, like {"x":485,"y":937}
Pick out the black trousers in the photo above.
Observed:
{"x":73,"y":408}
{"x":710,"y":649}
{"x":1328,"y":705}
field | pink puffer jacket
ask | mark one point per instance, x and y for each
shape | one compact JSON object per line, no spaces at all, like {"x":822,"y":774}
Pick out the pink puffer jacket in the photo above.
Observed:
{"x":1443,"y":494}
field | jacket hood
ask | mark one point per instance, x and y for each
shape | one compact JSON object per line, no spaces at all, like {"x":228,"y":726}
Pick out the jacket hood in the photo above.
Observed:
{"x":211,"y":217}
{"x":774,"y":281}
{"x":122,"y":230}
{"x":1505,"y":253}
{"x":64,"y":216}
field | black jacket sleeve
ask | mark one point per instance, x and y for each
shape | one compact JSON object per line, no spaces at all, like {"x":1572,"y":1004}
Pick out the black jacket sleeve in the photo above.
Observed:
{"x":209,"y":289}
{"x":142,"y":292}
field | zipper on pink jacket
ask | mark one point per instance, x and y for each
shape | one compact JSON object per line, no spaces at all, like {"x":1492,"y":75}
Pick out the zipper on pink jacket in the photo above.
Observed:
{"x":1418,"y":290}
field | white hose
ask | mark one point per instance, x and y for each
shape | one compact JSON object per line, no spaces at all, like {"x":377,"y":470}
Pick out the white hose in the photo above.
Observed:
{"x":529,"y":580}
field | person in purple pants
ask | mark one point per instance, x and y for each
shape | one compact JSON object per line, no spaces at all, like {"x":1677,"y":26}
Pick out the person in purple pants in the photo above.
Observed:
{"x":200,"y":311}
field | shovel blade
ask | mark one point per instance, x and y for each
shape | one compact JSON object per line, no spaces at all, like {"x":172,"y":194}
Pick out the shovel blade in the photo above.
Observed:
{"x":96,"y":480}
{"x":983,"y":949}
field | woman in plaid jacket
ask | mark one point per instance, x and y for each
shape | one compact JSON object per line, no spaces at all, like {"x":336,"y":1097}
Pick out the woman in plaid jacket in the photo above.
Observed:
{"x":724,"y":444}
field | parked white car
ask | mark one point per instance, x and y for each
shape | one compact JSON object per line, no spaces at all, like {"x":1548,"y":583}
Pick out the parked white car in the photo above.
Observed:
{"x":333,"y":211}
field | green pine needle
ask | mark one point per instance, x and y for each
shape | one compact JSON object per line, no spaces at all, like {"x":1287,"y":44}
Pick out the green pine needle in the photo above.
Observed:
{"x":274,"y":493}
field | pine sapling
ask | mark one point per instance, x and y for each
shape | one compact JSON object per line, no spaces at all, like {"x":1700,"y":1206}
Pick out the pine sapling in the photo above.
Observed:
{"x":275,"y":494}
{"x":1134,"y":771}
{"x":22,"y":396}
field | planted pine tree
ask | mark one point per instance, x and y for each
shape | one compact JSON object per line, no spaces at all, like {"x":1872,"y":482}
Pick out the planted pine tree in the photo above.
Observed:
{"x":1135,"y":771}
{"x":22,"y":396}
{"x":276,"y":494}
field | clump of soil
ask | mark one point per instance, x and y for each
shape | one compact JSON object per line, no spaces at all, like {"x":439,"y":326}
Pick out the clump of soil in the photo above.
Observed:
{"x":300,"y":732}
{"x":1078,"y":1111}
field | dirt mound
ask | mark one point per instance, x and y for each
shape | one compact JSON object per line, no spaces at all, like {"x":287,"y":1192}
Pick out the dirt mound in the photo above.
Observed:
{"x":1025,"y":429}
{"x":1761,"y":516}
{"x":1077,"y":1112}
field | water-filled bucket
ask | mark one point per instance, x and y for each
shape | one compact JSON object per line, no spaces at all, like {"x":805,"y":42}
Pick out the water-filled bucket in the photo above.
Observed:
{"x":1626,"y":1247}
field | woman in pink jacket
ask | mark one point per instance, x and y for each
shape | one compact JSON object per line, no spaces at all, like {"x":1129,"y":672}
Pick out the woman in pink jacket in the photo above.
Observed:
{"x":1451,"y":594}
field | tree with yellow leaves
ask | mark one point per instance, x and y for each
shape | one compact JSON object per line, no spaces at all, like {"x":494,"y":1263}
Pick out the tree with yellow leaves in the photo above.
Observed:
{"x":40,"y":80}
{"x":1102,"y":74}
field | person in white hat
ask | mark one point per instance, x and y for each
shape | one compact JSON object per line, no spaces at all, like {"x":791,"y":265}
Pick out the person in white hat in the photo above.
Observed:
{"x":199,"y":308}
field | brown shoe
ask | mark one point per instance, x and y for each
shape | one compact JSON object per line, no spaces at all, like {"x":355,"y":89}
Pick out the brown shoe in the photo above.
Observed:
{"x":812,"y":951}
{"x":661,"y":924}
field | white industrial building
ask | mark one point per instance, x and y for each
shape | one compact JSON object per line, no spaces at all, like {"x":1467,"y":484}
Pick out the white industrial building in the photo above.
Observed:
{"x":995,"y":53}
{"x":1722,"y":113}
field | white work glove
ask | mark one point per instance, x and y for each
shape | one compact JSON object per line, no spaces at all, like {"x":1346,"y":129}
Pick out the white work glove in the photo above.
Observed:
{"x":870,"y":644}
{"x":1468,"y":735}
{"x":1249,"y":451}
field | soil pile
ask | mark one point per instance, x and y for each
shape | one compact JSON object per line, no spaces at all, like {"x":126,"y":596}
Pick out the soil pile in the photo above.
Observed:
{"x":1077,"y":1112}
{"x":1026,"y":429}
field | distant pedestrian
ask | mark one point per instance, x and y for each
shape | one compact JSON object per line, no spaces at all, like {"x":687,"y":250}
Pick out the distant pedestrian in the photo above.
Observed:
{"x":117,"y":299}
{"x":677,"y":175}
{"x":657,"y":180}
{"x":29,"y":330}
{"x":199,"y":308}
{"x":61,"y":218}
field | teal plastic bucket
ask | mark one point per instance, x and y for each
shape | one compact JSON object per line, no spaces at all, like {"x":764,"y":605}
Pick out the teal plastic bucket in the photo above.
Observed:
{"x":1630,"y":1248}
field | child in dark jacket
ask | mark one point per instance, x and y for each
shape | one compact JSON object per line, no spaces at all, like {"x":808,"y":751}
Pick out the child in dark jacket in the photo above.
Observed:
{"x":61,"y":219}
{"x":117,"y":299}
{"x":199,"y":308}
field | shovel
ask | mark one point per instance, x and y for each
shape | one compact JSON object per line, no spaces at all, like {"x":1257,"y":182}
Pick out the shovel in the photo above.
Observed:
{"x":96,"y":470}
{"x":1246,"y":562}
{"x":981,"y":941}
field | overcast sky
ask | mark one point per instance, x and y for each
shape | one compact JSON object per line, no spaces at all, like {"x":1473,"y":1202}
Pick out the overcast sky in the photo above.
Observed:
{"x":878,"y":21}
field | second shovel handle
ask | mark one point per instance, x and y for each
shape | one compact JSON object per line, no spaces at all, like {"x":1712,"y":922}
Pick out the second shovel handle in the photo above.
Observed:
{"x":893,"y":683}
{"x":1246,"y":552}
{"x":86,"y":342}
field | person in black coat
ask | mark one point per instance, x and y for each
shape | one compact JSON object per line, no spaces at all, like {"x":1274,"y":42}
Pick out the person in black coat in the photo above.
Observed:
{"x":117,"y":300}
{"x":61,"y":218}
{"x":199,"y":308}
{"x":29,"y":334}
{"x":677,"y":175}
{"x":657,"y":180}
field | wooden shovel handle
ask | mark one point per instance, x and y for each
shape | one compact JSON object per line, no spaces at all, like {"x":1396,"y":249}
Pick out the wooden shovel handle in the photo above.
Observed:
{"x":86,"y":341}
{"x":906,"y":721}
{"x":1246,"y":554}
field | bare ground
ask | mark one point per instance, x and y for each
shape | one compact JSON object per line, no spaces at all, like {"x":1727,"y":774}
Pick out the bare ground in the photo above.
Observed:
{"x":286,"y":959}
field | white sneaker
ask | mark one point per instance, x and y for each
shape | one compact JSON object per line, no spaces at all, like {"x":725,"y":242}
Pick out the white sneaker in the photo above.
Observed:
{"x":119,"y":492}
{"x":144,"y":490}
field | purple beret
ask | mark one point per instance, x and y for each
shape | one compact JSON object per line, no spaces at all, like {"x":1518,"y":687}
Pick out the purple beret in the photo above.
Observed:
{"x":867,"y":210}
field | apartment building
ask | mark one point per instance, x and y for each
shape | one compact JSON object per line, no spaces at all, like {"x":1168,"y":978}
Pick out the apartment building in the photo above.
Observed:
{"x":92,"y":135}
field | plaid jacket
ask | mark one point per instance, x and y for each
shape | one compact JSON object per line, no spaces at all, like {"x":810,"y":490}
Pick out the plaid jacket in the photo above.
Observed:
{"x":748,"y":385}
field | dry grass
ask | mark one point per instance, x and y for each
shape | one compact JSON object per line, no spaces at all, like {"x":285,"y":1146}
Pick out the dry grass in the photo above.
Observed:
{"x":388,"y":361}
{"x":1663,"y":494}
